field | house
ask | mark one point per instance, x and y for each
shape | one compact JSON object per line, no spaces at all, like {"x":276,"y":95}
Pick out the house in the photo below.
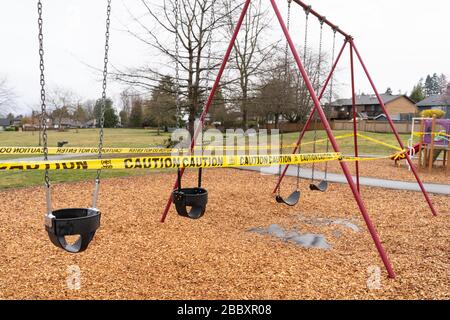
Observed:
{"x":66,"y":123}
{"x":91,"y":124}
{"x":400,"y":107}
{"x":440,"y":102}
{"x":17,"y":122}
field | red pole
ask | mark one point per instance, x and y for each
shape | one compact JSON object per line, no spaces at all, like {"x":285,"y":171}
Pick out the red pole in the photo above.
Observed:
{"x":394,"y":129}
{"x":344,"y":166}
{"x":310,"y":117}
{"x":210,"y":99}
{"x":355,"y":115}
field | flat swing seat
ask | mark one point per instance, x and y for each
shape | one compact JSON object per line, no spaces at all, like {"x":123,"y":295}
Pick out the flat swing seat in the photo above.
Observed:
{"x":322,"y":186}
{"x":291,"y":201}
{"x":70,"y":222}
{"x":195,"y":198}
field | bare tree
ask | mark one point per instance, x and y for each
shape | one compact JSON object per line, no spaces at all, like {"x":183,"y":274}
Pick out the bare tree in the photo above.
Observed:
{"x":277,"y":94}
{"x":300,"y":108}
{"x":250,"y":52}
{"x":62,"y":101}
{"x":447,"y":94}
{"x":196,"y":27}
{"x":283,"y":93}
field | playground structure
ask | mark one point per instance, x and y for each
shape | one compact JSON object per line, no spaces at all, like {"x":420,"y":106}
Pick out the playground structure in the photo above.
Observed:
{"x":355,"y":186}
{"x":84,"y":222}
{"x":434,"y":142}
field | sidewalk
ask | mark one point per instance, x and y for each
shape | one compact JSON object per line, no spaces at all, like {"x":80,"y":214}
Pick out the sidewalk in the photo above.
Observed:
{"x":369,"y":182}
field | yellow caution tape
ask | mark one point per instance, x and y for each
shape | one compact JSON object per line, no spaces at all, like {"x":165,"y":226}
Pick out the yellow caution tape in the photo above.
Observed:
{"x":419,"y":134}
{"x":359,"y":159}
{"x":84,"y":150}
{"x":173,"y":162}
{"x":88,"y":150}
{"x":344,"y":136}
{"x":379,"y":142}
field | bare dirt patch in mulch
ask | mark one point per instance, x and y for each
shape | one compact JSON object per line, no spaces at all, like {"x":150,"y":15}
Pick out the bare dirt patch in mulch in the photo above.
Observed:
{"x":135,"y":256}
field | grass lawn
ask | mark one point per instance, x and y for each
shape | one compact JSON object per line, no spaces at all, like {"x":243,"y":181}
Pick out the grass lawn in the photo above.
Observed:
{"x":121,"y":138}
{"x":87,"y":137}
{"x":145,"y":138}
{"x":346,"y":145}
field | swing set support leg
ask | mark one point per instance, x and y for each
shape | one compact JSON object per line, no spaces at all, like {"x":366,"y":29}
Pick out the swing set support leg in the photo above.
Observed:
{"x":311,"y":115}
{"x":394,"y":129}
{"x":333,"y":141}
{"x":355,"y":118}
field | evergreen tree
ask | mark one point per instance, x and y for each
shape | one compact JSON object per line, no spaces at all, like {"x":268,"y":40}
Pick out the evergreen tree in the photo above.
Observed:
{"x":435,"y":84}
{"x":428,"y":86}
{"x":418,"y":93}
{"x":111,"y":118}
{"x":124,"y":118}
{"x":161,"y":110}
{"x":136,"y":115}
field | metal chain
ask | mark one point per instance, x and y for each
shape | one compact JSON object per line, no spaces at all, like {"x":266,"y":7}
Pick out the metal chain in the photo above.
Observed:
{"x":305,"y":56}
{"x":286,"y":50}
{"x":177,"y":77}
{"x":208,"y":92}
{"x":305,"y":53}
{"x":177,"y":66}
{"x":330,"y":98}
{"x":104,"y":86}
{"x":210,"y":38}
{"x":286,"y":54}
{"x":319,"y":66}
{"x":286,"y":73}
{"x":319,"y":62}
{"x":209,"y":58}
{"x":43,"y":94}
{"x":333,"y":58}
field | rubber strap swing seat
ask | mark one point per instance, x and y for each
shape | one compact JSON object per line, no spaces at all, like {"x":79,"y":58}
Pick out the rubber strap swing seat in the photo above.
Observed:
{"x":291,"y":201}
{"x":190,"y":202}
{"x":322,"y":186}
{"x":294,"y":198}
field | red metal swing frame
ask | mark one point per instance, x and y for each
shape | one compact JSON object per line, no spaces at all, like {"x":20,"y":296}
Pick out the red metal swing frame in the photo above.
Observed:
{"x":354,"y":186}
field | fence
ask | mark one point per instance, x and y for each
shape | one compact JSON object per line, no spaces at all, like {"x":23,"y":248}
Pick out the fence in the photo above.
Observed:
{"x":295,"y":127}
{"x":373,"y":126}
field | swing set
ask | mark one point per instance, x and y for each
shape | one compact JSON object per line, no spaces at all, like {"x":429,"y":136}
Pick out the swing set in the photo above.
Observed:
{"x":191,"y":202}
{"x":198,"y":197}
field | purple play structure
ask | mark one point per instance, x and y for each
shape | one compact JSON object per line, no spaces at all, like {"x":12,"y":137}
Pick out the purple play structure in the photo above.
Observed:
{"x":442,"y":125}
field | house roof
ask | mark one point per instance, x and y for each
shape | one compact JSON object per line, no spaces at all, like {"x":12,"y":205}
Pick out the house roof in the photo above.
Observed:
{"x":368,"y":100}
{"x":434,"y":101}
{"x":5,"y":122}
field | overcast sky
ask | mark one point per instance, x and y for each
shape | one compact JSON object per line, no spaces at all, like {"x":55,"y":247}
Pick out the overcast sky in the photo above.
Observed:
{"x":401,"y":41}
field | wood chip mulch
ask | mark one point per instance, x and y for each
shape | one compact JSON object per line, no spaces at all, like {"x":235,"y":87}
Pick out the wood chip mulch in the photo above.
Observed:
{"x":133,"y":256}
